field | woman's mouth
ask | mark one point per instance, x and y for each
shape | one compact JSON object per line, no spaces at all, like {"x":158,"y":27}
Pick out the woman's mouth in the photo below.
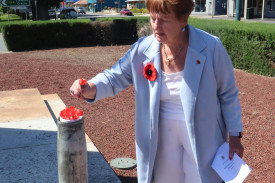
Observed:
{"x":159,"y":34}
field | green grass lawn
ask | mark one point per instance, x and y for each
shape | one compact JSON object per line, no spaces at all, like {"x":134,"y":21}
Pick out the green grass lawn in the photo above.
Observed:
{"x":229,"y":24}
{"x":12,"y":17}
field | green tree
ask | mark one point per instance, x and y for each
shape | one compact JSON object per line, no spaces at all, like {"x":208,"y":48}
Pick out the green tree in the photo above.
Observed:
{"x":3,"y":9}
{"x":42,"y":8}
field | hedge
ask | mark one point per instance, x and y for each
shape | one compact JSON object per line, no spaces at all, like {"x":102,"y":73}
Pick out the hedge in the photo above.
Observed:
{"x":48,"y":34}
{"x":251,"y":46}
{"x":137,"y":10}
{"x":140,"y":20}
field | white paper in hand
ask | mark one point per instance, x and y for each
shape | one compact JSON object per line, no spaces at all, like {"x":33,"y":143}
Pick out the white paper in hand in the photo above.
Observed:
{"x":231,"y":171}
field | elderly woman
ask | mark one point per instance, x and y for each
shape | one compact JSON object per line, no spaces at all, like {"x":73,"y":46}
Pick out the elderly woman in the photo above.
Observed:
{"x":185,"y":96}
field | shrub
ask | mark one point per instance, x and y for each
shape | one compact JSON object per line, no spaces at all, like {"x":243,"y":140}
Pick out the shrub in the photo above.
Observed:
{"x":145,"y":30}
{"x":140,"y":20}
{"x":102,"y":33}
{"x":144,"y":10}
{"x":250,"y":45}
{"x":135,"y":10}
{"x":3,"y":9}
{"x":48,"y":34}
{"x":124,"y":31}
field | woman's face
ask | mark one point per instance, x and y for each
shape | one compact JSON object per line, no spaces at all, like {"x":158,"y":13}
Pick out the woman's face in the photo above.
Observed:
{"x":166,"y":27}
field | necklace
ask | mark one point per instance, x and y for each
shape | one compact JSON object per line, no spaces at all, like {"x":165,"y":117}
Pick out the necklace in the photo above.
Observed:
{"x":170,"y":59}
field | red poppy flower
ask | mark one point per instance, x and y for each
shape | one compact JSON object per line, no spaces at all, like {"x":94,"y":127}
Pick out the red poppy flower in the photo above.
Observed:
{"x":198,"y":62}
{"x":71,"y":113}
{"x":82,"y":81}
{"x":150,"y":72}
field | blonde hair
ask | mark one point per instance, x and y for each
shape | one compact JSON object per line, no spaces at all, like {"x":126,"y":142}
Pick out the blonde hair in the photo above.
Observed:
{"x":181,"y":8}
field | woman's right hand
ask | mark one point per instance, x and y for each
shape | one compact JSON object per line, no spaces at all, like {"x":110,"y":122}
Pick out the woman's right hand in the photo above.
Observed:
{"x":87,"y":91}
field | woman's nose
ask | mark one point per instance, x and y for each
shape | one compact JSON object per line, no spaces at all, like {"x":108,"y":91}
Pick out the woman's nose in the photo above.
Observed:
{"x":157,"y":24}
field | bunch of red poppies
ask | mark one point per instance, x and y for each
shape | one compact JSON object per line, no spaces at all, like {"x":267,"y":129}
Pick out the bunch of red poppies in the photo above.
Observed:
{"x":71,"y":113}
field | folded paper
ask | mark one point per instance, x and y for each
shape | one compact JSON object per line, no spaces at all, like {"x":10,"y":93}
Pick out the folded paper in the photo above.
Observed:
{"x":231,"y":171}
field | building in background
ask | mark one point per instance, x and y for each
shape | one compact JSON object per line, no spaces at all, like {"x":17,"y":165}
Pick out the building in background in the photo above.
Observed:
{"x":98,"y":4}
{"x":255,"y":8}
{"x":249,"y":8}
{"x":67,"y":3}
{"x":135,"y":4}
{"x":81,"y":3}
{"x":117,"y":4}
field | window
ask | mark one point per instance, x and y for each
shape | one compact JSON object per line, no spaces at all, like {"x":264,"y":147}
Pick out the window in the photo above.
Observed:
{"x":271,"y":5}
{"x":200,"y":6}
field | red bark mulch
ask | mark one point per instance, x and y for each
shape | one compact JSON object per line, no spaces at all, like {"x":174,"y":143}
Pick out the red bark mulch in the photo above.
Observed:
{"x":110,"y":122}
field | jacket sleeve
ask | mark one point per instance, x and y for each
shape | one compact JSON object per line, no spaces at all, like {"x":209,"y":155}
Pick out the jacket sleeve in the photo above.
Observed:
{"x":113,"y":80}
{"x":226,"y":89}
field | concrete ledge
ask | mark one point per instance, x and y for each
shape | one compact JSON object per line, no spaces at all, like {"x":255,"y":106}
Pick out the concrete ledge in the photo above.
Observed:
{"x":3,"y":52}
{"x":3,"y":46}
{"x":28,"y":148}
{"x":21,"y":105}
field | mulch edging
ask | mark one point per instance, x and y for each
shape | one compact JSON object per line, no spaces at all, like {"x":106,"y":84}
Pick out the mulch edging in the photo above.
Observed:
{"x":110,"y":122}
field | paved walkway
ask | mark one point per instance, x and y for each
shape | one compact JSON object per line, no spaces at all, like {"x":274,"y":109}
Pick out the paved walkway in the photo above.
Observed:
{"x":28,"y":140}
{"x":3,"y":48}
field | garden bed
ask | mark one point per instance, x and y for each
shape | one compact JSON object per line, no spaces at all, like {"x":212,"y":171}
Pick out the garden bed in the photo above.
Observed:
{"x":110,"y":122}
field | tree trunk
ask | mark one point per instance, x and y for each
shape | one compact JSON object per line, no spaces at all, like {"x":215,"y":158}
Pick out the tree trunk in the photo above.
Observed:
{"x":42,"y":11}
{"x":33,"y":10}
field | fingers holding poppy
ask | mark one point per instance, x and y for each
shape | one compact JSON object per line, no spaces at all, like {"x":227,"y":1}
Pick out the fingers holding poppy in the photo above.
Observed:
{"x":76,"y":90}
{"x":77,"y":94}
{"x":81,"y":89}
{"x":81,"y":97}
{"x":89,"y":91}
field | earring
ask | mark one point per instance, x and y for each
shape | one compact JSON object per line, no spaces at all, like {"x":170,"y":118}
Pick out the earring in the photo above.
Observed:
{"x":183,"y":29}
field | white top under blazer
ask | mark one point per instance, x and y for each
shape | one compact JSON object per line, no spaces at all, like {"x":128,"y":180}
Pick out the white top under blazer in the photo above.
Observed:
{"x":170,"y":102}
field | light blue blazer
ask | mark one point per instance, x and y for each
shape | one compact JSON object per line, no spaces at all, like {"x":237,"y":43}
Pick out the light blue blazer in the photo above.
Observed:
{"x":209,"y":98}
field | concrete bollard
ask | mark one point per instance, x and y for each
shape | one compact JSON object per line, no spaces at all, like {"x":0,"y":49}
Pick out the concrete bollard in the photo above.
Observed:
{"x":72,"y":152}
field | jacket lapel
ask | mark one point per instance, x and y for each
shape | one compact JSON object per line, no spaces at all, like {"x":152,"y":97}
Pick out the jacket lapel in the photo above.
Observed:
{"x":153,"y":55}
{"x":194,"y":64}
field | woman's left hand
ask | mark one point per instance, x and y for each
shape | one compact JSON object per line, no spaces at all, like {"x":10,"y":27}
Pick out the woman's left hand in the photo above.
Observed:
{"x":235,"y":146}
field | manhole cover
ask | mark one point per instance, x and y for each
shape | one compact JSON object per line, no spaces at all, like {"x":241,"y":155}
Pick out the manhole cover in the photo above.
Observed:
{"x":124,"y":163}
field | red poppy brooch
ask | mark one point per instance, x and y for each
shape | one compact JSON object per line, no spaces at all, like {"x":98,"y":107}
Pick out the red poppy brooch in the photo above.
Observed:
{"x":150,"y":72}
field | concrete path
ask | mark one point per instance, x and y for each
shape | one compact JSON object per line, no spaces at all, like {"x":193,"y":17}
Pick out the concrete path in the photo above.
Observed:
{"x":28,"y":140}
{"x":3,"y":48}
